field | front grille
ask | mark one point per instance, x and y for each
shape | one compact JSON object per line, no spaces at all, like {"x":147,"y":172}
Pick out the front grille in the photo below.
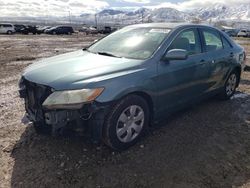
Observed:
{"x":36,"y":94}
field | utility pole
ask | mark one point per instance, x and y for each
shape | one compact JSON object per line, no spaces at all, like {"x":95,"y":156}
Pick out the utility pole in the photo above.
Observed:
{"x":141,"y":16}
{"x":96,"y":20}
{"x":69,"y":18}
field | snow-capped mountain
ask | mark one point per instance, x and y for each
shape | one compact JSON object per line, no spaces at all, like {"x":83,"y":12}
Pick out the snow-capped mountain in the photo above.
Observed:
{"x":215,"y":12}
{"x":223,"y":12}
{"x":147,"y":15}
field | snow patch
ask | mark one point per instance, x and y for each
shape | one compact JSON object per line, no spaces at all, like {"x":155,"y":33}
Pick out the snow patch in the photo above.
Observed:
{"x":240,"y":95}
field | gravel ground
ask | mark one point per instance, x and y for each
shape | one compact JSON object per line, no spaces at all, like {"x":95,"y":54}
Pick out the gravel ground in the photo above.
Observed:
{"x":206,"y":145}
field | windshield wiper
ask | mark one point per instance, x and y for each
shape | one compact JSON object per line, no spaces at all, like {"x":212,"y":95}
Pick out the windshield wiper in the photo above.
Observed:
{"x":85,"y":49}
{"x":108,"y":54}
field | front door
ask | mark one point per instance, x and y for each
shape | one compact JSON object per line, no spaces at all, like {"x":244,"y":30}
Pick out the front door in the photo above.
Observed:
{"x":180,"y":81}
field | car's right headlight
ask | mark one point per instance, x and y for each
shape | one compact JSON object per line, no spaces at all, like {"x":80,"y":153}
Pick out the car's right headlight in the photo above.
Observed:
{"x":71,"y":99}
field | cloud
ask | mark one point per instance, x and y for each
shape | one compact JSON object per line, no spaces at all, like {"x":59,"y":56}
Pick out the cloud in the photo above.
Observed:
{"x":136,"y":1}
{"x":50,"y":7}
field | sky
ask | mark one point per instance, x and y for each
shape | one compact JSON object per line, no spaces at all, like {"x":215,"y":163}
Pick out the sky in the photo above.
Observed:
{"x":15,"y":8}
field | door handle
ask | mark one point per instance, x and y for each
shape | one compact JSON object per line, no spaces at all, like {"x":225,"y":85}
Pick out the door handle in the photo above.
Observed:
{"x":231,"y":54}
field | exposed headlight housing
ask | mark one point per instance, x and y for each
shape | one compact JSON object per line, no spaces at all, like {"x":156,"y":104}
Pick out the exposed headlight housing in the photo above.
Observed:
{"x":71,"y":99}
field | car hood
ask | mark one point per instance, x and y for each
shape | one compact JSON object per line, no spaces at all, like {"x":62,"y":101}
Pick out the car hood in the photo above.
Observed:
{"x":65,"y":71}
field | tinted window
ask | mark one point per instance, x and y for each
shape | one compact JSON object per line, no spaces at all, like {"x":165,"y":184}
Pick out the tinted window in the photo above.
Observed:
{"x":212,"y":40}
{"x":226,"y":44}
{"x":7,"y":25}
{"x":187,"y":40}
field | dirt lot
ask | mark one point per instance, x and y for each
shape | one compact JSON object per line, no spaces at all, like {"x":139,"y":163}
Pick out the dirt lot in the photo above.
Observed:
{"x":206,"y":145}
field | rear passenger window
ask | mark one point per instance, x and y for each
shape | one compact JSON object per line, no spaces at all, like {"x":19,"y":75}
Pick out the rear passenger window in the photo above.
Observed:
{"x":187,"y":40}
{"x":212,"y":40}
{"x":226,"y":44}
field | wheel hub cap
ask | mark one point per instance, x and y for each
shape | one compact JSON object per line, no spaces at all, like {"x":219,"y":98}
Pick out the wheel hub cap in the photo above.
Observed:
{"x":231,"y":84}
{"x":130,"y":123}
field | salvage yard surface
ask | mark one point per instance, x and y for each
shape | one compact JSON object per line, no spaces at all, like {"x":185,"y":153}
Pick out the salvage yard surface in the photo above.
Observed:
{"x":206,"y":145}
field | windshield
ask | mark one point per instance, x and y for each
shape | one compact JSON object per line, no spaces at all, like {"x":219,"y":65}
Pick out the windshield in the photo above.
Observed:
{"x":135,"y":43}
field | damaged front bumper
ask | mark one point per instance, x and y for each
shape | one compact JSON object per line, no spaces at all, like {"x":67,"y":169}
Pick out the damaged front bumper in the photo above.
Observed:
{"x":89,"y":118}
{"x":90,"y":121}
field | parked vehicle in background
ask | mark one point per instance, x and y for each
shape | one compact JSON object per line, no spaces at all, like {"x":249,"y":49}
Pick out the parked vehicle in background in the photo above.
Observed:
{"x":231,"y":33}
{"x":92,"y":30}
{"x":244,"y":33}
{"x":133,"y":77}
{"x":60,"y":30}
{"x":42,"y":29}
{"x":6,"y":28}
{"x":29,"y":29}
{"x":19,"y":27}
{"x":83,"y":29}
{"x":105,"y":30}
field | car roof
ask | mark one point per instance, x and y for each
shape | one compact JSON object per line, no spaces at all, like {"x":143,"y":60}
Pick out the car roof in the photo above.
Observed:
{"x":6,"y":24}
{"x":168,"y":25}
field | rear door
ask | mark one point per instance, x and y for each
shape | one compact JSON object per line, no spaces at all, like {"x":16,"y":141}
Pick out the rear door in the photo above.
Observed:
{"x":180,"y":81}
{"x":218,"y":54}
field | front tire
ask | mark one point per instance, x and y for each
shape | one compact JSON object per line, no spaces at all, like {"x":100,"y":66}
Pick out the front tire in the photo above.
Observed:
{"x":126,"y":122}
{"x":230,"y":86}
{"x":42,"y":128}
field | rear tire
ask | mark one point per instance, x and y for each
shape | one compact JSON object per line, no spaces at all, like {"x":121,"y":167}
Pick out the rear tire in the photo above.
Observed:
{"x":230,"y":86}
{"x":126,"y":122}
{"x":9,"y":32}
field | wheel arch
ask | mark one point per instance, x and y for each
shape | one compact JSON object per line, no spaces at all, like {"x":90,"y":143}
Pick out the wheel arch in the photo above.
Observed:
{"x":148,"y":99}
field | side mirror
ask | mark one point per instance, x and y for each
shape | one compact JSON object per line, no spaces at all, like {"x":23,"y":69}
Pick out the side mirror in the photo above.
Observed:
{"x":176,"y":54}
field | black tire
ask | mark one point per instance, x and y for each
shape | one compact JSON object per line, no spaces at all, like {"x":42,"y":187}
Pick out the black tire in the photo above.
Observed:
{"x":225,"y":95}
{"x":54,"y":33}
{"x":42,"y":128}
{"x":9,"y":32}
{"x":111,"y":123}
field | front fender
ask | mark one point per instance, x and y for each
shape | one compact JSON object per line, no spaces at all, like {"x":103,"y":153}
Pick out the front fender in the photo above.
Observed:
{"x":116,"y":92}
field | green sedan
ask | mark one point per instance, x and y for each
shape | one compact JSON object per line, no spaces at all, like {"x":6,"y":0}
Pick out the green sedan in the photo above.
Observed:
{"x":122,"y":84}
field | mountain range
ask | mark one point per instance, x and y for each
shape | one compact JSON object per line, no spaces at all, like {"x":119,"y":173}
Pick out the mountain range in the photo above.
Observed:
{"x":217,"y":12}
{"x":213,"y":13}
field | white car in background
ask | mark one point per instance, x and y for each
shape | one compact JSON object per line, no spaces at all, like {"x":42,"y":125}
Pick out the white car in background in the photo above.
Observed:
{"x":244,"y":33}
{"x":7,"y":28}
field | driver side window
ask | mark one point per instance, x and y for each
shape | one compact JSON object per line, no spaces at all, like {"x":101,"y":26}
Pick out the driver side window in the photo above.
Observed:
{"x":187,"y":40}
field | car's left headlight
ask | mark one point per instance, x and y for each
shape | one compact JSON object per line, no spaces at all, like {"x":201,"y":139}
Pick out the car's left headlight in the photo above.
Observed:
{"x":71,"y":99}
